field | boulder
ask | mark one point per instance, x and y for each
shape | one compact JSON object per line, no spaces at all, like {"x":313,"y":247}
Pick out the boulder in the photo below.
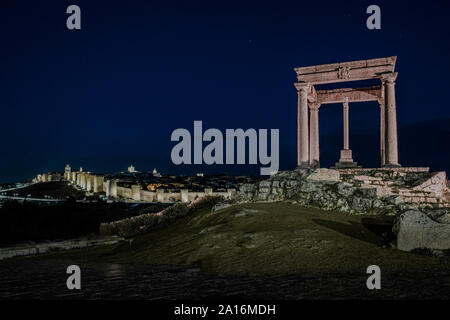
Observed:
{"x":415,"y":230}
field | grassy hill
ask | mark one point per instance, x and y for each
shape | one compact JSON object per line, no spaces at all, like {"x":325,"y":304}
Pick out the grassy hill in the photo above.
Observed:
{"x":270,"y":238}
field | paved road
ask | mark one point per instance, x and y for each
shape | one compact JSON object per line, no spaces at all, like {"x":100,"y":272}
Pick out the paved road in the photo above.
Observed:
{"x":24,"y":198}
{"x":33,"y":278}
{"x":15,"y":188}
{"x":31,"y":199}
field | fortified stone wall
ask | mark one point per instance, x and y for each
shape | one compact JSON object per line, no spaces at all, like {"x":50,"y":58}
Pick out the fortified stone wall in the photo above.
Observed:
{"x":46,"y":177}
{"x":123,"y":192}
{"x":148,"y":196}
{"x":97,"y":183}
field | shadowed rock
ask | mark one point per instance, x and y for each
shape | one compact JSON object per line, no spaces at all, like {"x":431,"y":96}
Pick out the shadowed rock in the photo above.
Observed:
{"x":415,"y":230}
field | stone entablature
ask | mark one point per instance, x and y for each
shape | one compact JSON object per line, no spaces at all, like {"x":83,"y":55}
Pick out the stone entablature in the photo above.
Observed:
{"x":346,"y":71}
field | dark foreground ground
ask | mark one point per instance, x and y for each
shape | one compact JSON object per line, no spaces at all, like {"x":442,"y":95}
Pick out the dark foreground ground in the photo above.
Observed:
{"x":46,"y":279}
{"x":255,"y":251}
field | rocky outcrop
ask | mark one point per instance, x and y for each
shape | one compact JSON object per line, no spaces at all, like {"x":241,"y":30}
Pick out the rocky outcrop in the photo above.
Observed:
{"x":416,"y":230}
{"x":357,"y":191}
{"x":284,"y":185}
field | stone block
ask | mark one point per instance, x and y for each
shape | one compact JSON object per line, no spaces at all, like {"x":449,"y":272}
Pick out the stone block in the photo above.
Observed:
{"x":323,"y":174}
{"x":437,"y":184}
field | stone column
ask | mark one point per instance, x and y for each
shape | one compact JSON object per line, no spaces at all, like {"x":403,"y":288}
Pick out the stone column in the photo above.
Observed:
{"x":314,"y":150}
{"x":345,"y":114}
{"x":382,"y":132}
{"x":346,"y":159}
{"x":302,"y":126}
{"x":390,"y":120}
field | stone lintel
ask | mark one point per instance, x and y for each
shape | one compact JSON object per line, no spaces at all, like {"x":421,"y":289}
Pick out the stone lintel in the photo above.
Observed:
{"x":353,"y":94}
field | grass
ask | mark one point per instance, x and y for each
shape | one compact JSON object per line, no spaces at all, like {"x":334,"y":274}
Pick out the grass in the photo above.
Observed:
{"x":269,"y":239}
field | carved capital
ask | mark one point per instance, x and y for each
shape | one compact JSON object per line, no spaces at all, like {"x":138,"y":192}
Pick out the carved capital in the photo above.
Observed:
{"x":303,"y":86}
{"x":314,"y":106}
{"x":345,"y":102}
{"x":389,"y":78}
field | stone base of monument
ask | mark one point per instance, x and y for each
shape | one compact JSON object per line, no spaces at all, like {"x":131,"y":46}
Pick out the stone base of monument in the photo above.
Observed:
{"x":391,"y":166}
{"x":378,"y":191}
{"x":346,"y":160}
{"x":304,"y":165}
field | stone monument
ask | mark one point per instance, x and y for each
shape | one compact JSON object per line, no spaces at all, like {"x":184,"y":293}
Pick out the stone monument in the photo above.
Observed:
{"x":310,"y":101}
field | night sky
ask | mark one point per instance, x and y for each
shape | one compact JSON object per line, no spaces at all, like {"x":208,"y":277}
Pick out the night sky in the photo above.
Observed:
{"x":110,"y":95}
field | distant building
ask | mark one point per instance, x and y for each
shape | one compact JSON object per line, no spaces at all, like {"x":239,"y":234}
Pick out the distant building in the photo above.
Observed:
{"x":132,"y":169}
{"x":156,"y":173}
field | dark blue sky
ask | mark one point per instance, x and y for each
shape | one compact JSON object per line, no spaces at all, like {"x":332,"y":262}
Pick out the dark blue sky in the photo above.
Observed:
{"x":112,"y":93}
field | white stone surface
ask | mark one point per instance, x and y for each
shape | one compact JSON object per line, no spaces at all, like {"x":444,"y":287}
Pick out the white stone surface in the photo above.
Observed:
{"x":415,"y":230}
{"x":323,"y":174}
